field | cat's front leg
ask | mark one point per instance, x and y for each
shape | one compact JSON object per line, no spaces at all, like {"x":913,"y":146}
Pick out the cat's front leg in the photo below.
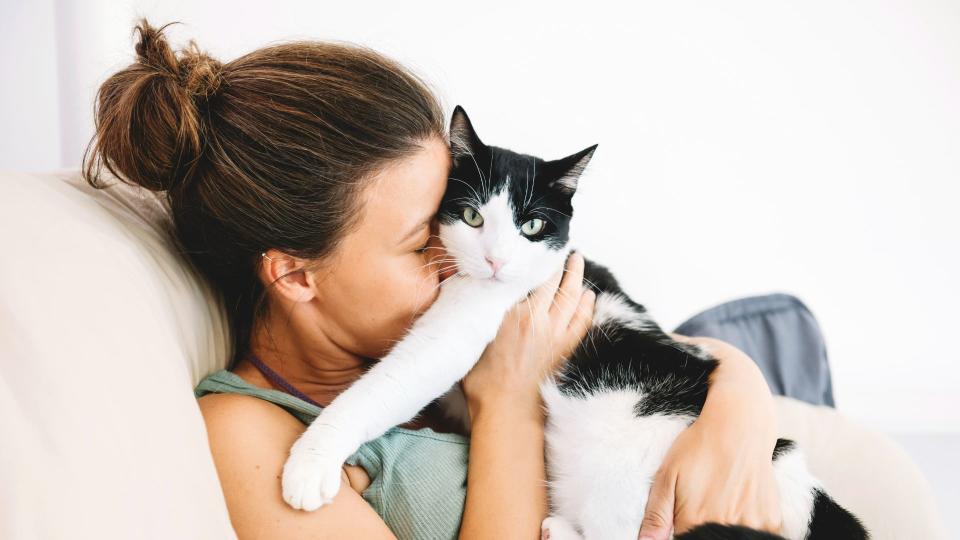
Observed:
{"x":557,"y":528}
{"x":311,"y":474}
{"x":440,"y":348}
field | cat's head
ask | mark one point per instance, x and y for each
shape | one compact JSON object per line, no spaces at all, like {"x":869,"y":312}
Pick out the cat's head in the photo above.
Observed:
{"x":506,"y":216}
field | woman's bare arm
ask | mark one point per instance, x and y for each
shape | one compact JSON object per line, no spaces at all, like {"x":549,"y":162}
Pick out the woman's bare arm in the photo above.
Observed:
{"x":506,"y":485}
{"x":249,"y":440}
{"x":720,"y":468}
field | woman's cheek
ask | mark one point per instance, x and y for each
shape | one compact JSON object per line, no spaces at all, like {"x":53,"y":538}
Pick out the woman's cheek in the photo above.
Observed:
{"x":427,"y":291}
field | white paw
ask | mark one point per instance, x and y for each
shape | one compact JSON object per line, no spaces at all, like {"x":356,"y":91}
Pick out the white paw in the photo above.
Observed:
{"x":557,"y":528}
{"x":311,"y":479}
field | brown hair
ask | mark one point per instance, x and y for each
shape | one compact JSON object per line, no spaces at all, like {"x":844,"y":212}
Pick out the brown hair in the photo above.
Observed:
{"x":267,"y":151}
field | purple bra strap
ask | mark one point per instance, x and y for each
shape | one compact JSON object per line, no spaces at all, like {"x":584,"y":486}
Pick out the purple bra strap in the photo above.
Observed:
{"x":276,"y":379}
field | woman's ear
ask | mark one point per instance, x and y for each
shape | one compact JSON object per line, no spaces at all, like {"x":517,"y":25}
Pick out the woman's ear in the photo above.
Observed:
{"x":287,"y":276}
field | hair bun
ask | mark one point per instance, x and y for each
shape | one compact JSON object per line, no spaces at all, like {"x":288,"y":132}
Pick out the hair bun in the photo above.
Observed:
{"x":149,"y":125}
{"x":198,"y":73}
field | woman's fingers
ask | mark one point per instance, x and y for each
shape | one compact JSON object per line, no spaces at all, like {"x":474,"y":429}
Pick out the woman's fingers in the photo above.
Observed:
{"x":582,"y":318}
{"x":568,"y":295}
{"x":658,"y":516}
{"x":576,"y":330}
{"x":541,"y":298}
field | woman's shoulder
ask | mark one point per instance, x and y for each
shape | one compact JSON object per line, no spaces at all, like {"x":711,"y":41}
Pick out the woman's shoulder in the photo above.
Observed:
{"x":250,"y":439}
{"x":243,"y":425}
{"x":242,"y":412}
{"x":266,"y":400}
{"x":228,"y":401}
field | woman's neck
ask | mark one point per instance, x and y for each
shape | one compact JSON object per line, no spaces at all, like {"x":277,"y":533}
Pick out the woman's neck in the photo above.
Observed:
{"x":321,"y":369}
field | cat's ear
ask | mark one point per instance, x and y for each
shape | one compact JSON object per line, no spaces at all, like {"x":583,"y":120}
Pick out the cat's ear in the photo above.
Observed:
{"x":564,"y":173}
{"x":463,"y":138}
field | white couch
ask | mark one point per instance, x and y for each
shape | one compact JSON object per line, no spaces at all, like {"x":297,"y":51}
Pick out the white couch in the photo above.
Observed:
{"x":104,"y":331}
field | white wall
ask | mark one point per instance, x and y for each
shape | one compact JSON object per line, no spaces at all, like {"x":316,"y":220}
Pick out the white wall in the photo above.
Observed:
{"x":29,"y":107}
{"x":745,"y":147}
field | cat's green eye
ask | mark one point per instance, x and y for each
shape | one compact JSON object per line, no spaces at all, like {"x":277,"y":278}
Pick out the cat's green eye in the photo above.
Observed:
{"x":532,"y":227}
{"x":471,"y":217}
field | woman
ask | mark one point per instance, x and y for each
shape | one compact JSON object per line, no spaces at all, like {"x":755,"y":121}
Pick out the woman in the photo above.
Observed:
{"x":303,"y":179}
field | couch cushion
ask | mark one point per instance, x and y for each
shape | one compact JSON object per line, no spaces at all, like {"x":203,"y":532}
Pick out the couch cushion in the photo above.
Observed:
{"x":104,"y":331}
{"x":863,"y":470}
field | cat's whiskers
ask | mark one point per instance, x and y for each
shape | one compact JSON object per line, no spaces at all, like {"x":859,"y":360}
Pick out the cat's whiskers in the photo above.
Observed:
{"x":490,"y":174}
{"x":438,"y":261}
{"x":533,"y":324}
{"x":438,"y":285}
{"x":477,"y":165}
{"x":434,"y":261}
{"x":529,"y":184}
{"x":547,"y":210}
{"x":475,"y":194}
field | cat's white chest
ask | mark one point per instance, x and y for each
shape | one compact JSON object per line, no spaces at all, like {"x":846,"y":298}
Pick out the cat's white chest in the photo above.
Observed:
{"x":597,"y":448}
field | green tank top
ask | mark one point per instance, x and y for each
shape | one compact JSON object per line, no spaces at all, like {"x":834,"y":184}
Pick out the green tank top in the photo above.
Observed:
{"x":418,"y":478}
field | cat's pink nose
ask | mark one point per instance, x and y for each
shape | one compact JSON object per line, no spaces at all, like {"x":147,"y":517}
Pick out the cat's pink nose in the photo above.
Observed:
{"x":495,"y":264}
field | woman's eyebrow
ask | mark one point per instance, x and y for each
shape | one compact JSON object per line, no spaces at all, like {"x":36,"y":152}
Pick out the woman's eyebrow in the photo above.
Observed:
{"x":417,"y":228}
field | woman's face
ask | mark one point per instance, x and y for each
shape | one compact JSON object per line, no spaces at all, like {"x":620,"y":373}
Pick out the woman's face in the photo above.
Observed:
{"x":381,"y":277}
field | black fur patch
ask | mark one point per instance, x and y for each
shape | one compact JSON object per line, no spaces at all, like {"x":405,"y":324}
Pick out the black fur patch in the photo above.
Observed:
{"x":671,"y":376}
{"x":782,"y":447}
{"x":830,"y":521}
{"x":714,"y":531}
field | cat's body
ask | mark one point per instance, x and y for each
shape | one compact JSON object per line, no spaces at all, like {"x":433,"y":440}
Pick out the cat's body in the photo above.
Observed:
{"x":614,"y":410}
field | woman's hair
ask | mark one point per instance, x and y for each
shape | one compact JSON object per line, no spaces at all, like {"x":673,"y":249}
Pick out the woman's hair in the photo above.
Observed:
{"x":270,"y":150}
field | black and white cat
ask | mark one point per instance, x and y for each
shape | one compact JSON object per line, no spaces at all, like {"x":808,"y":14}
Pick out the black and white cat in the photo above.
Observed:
{"x":614,"y":410}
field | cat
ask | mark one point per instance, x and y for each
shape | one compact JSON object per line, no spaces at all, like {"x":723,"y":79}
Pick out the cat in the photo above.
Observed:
{"x":614,"y":408}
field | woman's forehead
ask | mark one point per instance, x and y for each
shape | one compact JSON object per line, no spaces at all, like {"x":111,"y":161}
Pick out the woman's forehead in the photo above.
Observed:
{"x":405,"y":192}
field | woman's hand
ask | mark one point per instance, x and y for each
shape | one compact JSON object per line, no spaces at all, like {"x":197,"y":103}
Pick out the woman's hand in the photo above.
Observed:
{"x":506,"y":476}
{"x":536,"y":335}
{"x":720,"y":469}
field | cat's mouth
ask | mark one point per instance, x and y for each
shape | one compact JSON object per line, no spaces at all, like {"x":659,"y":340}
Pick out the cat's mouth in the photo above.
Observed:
{"x":496,"y":277}
{"x":486,"y":276}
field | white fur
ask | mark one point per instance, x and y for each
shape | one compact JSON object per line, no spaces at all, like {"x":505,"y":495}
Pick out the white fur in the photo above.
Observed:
{"x":612,"y":307}
{"x":796,"y":486}
{"x":524,"y":262}
{"x":602,"y":459}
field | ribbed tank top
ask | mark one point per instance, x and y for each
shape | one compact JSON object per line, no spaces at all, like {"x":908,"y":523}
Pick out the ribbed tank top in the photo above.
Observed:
{"x":418,"y":478}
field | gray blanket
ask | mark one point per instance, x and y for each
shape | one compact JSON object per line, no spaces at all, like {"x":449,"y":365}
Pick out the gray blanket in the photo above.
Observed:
{"x":780,"y":334}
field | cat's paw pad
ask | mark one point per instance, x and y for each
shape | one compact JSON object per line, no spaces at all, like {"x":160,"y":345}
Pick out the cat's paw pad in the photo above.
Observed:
{"x":557,"y":528}
{"x":310,"y":479}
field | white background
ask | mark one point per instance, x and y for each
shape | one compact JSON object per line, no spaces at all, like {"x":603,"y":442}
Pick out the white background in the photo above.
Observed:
{"x":745,"y":147}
